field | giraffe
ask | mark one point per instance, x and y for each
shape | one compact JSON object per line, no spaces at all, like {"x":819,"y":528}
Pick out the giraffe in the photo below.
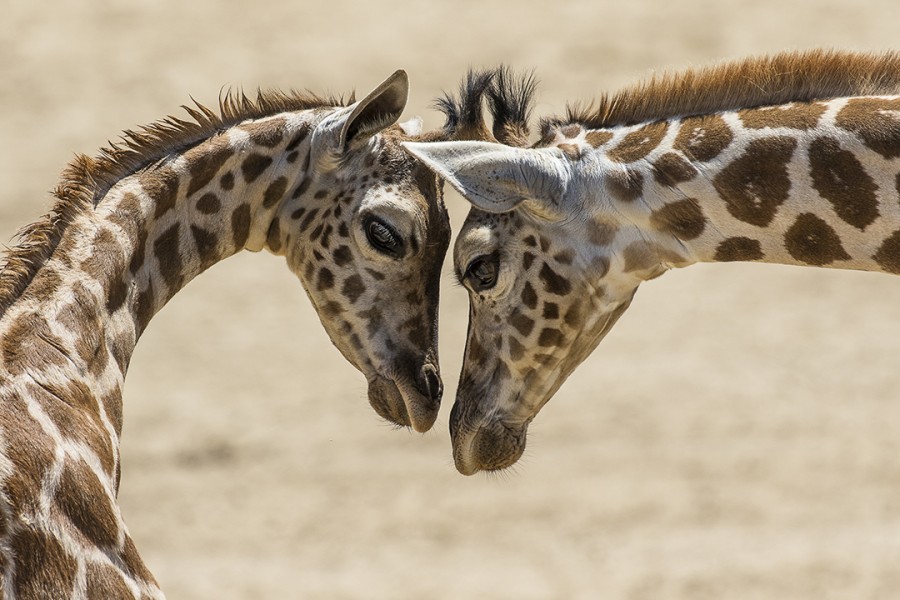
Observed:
{"x":323,"y":183}
{"x":788,"y":159}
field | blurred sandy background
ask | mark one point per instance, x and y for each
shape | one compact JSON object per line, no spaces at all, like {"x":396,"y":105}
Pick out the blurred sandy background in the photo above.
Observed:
{"x":736,"y":436}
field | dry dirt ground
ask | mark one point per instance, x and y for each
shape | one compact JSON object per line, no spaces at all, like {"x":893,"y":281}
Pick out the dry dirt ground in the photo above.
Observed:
{"x":737,"y":435}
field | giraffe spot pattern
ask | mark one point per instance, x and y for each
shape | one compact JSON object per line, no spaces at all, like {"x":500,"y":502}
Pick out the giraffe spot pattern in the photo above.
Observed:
{"x":703,"y":138}
{"x":516,"y":349}
{"x":102,"y":580}
{"x":267,"y":134}
{"x":209,"y":204}
{"x":80,"y":496}
{"x":876,"y":121}
{"x":43,"y":568}
{"x":144,"y":308}
{"x":162,"y":186}
{"x":273,"y":236}
{"x":165,"y":248}
{"x":254,"y":165}
{"x":626,"y":185}
{"x":550,"y":337}
{"x":227,"y":181}
{"x":29,"y":344}
{"x":738,"y":249}
{"x":31,"y":452}
{"x":342,"y":256}
{"x":353,"y":288}
{"x":523,"y":324}
{"x":799,"y":115}
{"x":597,"y":138}
{"x":755,"y":184}
{"x":240,"y":225}
{"x":551,"y":310}
{"x":813,"y":241}
{"x":600,"y":232}
{"x":205,"y":161}
{"x":888,"y":254}
{"x":274,"y":192}
{"x":684,"y":219}
{"x":553,"y":282}
{"x":840,"y":178}
{"x":207,"y":246}
{"x":639,"y":143}
{"x":670,"y":170}
{"x":529,"y":296}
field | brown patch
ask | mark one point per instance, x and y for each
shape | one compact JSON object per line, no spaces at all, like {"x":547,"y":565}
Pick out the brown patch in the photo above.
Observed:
{"x":227,"y":181}
{"x":601,"y":233}
{"x":551,"y":310}
{"x":274,"y":192}
{"x":875,"y":121}
{"x":31,"y":452}
{"x":28,"y":344}
{"x":800,"y":115}
{"x":301,"y":189}
{"x":703,"y":138}
{"x":684,"y":219}
{"x":888,"y":254}
{"x":43,"y":568}
{"x":81,"y":317}
{"x":523,"y":324}
{"x":571,"y":130}
{"x":516,"y":349}
{"x":209,"y":204}
{"x":641,"y":256}
{"x":670,"y":170}
{"x":240,"y":225}
{"x":80,"y":496}
{"x":162,"y":186}
{"x":102,"y":580}
{"x":565,"y":257}
{"x":572,"y":151}
{"x":106,"y":265}
{"x":550,"y":337}
{"x":325,"y":280}
{"x":44,"y":284}
{"x":205,"y":160}
{"x":137,"y":254}
{"x":812,"y":241}
{"x":738,"y":248}
{"x":167,"y":252}
{"x":529,"y":297}
{"x":112,"y":404}
{"x":308,"y":219}
{"x":144,"y":308}
{"x":301,"y":134}
{"x":267,"y":133}
{"x":342,"y":256}
{"x":207,"y":246}
{"x":254,"y":165}
{"x":273,"y":236}
{"x":554,"y":283}
{"x":527,"y":259}
{"x":840,"y":178}
{"x":133,"y":562}
{"x":474,"y":350}
{"x":598,"y":138}
{"x":353,"y":288}
{"x":755,"y":184}
{"x":626,"y":185}
{"x":574,"y":317}
{"x":639,"y":143}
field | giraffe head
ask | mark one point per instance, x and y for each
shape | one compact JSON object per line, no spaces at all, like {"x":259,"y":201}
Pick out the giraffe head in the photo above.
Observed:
{"x":547,"y":279}
{"x":366,"y":231}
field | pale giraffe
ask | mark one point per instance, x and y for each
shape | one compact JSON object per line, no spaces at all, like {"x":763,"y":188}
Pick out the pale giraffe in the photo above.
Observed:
{"x":327,"y":186}
{"x":792,"y":159}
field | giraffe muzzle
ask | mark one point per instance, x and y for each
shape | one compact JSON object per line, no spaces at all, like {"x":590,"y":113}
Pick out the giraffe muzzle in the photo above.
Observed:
{"x":407,"y":401}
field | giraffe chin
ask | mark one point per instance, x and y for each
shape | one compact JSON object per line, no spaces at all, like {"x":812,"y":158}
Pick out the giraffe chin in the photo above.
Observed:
{"x":402,"y":404}
{"x":491,"y":446}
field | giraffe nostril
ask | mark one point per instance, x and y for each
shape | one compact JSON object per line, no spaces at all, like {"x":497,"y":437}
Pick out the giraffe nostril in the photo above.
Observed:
{"x":431,"y":383}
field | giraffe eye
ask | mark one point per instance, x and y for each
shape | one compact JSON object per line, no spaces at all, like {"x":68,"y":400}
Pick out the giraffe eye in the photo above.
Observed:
{"x":482,"y":272}
{"x":383,"y":237}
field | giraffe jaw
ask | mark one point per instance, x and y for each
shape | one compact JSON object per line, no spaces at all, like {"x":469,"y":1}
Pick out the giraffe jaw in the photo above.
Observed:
{"x":402,"y":404}
{"x":487,"y":445}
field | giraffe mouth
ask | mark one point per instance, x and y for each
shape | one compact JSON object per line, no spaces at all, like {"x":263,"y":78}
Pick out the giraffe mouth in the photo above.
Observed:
{"x":485,"y":445}
{"x":403,"y":403}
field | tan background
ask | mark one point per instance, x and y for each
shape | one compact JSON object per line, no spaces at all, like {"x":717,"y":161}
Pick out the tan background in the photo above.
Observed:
{"x":736,"y":436}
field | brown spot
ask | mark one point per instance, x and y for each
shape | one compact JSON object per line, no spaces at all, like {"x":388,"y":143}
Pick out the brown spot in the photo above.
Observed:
{"x":273,"y":237}
{"x":43,"y":568}
{"x":81,"y":318}
{"x":474,"y":350}
{"x":342,"y":256}
{"x":600,"y":232}
{"x":301,"y":189}
{"x":274,"y":192}
{"x":298,"y":213}
{"x":162,"y":186}
{"x":254,"y":165}
{"x":102,"y":580}
{"x":209,"y":204}
{"x":530,"y":241}
{"x":639,"y":143}
{"x":703,"y":138}
{"x":44,"y":284}
{"x":31,"y":452}
{"x":888,"y":254}
{"x":267,"y":133}
{"x":800,"y":115}
{"x":738,"y":248}
{"x":134,"y":564}
{"x":308,"y":219}
{"x":553,"y":282}
{"x":572,"y":151}
{"x":325,"y":280}
{"x":529,"y":297}
{"x":875,"y":121}
{"x":527,"y":259}
{"x":353,"y":288}
{"x":128,"y":216}
{"x":207,"y":246}
{"x":551,"y":310}
{"x":574,"y":317}
{"x":137,"y":254}
{"x":812,"y":241}
{"x":167,"y":252}
{"x":598,"y":138}
{"x":240,"y":225}
{"x":28,"y":344}
{"x":112,"y":404}
{"x":684,"y":219}
{"x":550,"y":337}
{"x":80,"y":496}
{"x":106,"y":264}
{"x":625,"y":185}
{"x":205,"y":160}
{"x":670,"y":170}
{"x":320,"y":194}
{"x":516,"y":349}
{"x":227,"y":181}
{"x":522,"y":323}
{"x":545,"y":243}
{"x":299,"y":136}
{"x":641,"y":256}
{"x":144,"y":308}
{"x":571,"y":130}
{"x":755,"y":184}
{"x":566,"y":257}
{"x":840,"y":178}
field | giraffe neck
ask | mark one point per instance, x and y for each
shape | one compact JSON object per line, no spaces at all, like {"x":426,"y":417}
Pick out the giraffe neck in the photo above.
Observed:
{"x":802,"y":184}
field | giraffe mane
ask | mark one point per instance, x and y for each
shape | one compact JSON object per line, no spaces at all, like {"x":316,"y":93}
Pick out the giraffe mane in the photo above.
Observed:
{"x":85,"y":180}
{"x":749,"y":83}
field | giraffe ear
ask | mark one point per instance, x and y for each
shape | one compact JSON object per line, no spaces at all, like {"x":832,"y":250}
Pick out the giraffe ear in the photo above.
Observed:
{"x":380,"y":108}
{"x":494,"y":177}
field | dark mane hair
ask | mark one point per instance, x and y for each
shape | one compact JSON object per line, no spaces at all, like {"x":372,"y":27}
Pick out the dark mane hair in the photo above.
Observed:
{"x":87,"y":179}
{"x":762,"y":81}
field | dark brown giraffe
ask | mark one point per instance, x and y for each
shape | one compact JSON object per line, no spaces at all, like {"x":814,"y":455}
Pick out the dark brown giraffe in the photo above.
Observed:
{"x":792,"y":159}
{"x":327,"y":186}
